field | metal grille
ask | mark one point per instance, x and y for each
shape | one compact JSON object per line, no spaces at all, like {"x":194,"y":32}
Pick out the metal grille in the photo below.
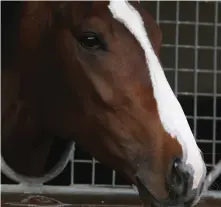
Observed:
{"x":191,"y":56}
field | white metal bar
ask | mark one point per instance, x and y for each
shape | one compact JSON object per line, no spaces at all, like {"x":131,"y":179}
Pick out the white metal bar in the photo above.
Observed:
{"x":72,"y":164}
{"x":195,"y":71}
{"x":55,"y":171}
{"x":192,"y":70}
{"x":188,"y":23}
{"x":215,"y":80}
{"x":176,"y":49}
{"x":113,"y":178}
{"x":213,"y":175}
{"x":81,"y":190}
{"x":192,"y":46}
{"x":75,"y":189}
{"x":93,"y":171}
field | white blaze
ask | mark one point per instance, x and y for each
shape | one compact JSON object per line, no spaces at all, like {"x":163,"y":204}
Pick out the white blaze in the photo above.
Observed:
{"x":170,"y":111}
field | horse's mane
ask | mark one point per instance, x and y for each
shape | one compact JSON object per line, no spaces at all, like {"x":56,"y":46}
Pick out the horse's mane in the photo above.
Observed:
{"x":10,"y":15}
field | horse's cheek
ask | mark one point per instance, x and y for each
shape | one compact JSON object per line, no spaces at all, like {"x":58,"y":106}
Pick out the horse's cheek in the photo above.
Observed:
{"x":103,"y":89}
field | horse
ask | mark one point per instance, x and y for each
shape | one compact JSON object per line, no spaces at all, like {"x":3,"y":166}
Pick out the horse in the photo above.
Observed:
{"x":90,"y":72}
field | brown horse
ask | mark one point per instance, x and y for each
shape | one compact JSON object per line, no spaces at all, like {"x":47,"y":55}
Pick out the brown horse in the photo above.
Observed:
{"x":90,"y":72}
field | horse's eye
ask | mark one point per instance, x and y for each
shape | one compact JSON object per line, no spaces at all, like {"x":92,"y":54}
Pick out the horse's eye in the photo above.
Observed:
{"x":91,"y":41}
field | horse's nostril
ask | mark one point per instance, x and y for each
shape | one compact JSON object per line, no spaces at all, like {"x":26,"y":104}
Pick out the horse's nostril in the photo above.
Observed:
{"x":179,"y":179}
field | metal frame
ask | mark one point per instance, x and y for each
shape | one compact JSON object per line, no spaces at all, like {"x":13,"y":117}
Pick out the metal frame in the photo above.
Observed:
{"x":27,"y":185}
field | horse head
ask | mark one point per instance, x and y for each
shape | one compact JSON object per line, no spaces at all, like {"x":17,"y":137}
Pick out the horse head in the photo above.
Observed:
{"x":90,"y":71}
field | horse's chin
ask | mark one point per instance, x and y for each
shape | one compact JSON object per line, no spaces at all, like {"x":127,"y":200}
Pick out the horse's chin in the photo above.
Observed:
{"x":146,"y":197}
{"x":149,"y":200}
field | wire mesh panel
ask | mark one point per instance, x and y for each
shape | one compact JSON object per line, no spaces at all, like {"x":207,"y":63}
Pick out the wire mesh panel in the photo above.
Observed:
{"x":191,"y":57}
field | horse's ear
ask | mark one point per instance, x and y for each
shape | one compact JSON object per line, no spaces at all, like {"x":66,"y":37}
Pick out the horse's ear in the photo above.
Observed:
{"x":157,"y":40}
{"x":154,"y":31}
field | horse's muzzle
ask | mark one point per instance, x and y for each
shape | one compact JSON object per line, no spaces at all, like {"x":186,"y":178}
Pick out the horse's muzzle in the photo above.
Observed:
{"x":150,"y":200}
